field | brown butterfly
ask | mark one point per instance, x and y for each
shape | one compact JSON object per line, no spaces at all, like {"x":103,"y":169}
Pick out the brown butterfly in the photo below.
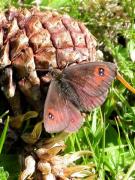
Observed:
{"x":78,"y":88}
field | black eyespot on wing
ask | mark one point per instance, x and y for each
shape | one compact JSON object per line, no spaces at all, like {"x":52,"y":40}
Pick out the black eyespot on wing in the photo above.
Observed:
{"x":101,"y":71}
{"x":50,"y":116}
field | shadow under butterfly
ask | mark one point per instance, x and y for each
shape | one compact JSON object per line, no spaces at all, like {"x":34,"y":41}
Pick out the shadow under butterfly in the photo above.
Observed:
{"x":78,"y":88}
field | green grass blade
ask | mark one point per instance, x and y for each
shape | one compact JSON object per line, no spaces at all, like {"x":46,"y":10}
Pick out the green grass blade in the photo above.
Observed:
{"x":3,"y":135}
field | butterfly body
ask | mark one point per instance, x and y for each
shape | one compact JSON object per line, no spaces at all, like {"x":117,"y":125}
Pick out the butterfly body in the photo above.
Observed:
{"x":77,"y":88}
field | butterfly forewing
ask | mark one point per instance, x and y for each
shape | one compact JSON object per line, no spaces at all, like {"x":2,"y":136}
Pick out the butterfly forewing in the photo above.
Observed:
{"x":59,"y":113}
{"x":56,"y":116}
{"x":91,"y":82}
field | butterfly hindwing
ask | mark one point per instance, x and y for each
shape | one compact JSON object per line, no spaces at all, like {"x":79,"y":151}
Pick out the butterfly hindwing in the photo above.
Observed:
{"x":76,"y":119}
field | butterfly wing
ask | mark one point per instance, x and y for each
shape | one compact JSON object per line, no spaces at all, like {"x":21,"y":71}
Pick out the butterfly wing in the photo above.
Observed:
{"x":55,"y":113}
{"x":76,"y":119}
{"x":90,"y":81}
{"x":59,"y":112}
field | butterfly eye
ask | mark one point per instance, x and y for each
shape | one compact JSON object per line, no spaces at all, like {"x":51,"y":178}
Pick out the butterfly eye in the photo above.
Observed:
{"x":50,"y":116}
{"x":101,"y":71}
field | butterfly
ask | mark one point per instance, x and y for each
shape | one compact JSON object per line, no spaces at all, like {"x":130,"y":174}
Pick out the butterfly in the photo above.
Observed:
{"x":78,"y":88}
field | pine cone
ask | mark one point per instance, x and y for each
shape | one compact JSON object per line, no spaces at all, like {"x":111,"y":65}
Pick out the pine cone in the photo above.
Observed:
{"x":32,"y":40}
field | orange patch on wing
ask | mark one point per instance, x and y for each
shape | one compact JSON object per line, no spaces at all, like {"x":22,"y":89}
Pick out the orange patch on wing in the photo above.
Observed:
{"x":97,"y":77}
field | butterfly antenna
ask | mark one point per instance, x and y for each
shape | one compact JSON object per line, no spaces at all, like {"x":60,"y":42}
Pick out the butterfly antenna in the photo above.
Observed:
{"x":125,"y":83}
